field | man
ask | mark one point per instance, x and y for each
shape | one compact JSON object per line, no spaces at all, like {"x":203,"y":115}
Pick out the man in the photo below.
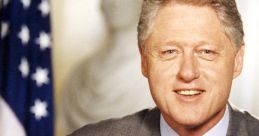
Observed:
{"x":191,"y":50}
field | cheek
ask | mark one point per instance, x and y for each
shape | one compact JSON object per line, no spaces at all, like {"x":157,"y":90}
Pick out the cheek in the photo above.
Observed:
{"x":219,"y":71}
{"x":161,"y":78}
{"x":218,"y":78}
{"x":162,"y":73}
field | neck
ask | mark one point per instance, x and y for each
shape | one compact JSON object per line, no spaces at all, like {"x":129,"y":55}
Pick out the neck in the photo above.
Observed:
{"x":195,"y":130}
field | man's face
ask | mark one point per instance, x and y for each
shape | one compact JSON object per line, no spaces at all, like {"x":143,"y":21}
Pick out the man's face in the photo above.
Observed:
{"x":190,"y":64}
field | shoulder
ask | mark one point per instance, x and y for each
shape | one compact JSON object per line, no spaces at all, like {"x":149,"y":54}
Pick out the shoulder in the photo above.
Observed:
{"x":120,"y":126}
{"x":243,"y":122}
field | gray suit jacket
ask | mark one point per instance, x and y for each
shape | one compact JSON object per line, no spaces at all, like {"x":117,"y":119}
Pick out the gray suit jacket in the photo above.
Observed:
{"x":147,"y":123}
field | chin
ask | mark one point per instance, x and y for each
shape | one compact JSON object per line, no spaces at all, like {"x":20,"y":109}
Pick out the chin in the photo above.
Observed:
{"x":188,"y":121}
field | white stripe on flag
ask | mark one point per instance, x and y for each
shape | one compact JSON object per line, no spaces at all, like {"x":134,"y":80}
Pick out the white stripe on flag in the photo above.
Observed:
{"x":9,"y":124}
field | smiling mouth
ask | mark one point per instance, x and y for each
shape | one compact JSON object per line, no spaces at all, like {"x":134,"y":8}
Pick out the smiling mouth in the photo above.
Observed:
{"x":189,"y":92}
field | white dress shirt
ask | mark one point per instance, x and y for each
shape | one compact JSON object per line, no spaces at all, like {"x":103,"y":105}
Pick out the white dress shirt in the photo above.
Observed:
{"x":220,"y":129}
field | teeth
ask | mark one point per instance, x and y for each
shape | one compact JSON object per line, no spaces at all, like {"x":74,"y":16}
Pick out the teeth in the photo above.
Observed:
{"x":189,"y":92}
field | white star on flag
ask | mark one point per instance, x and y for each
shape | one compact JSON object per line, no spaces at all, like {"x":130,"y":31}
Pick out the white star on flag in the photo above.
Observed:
{"x":24,"y":67}
{"x":41,"y":76}
{"x":24,"y":35}
{"x":4,"y":29}
{"x":26,"y":3}
{"x":44,"y":7}
{"x":39,"y":109}
{"x":43,"y":40}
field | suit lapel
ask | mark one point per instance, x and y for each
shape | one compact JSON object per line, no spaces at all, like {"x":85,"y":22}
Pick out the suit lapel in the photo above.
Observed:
{"x":237,"y":125}
{"x":151,"y":124}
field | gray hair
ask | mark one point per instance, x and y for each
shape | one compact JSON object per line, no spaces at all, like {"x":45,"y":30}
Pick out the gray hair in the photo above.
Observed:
{"x":226,"y":11}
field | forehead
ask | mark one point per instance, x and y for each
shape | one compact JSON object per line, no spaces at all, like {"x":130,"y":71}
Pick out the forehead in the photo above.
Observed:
{"x":186,"y":21}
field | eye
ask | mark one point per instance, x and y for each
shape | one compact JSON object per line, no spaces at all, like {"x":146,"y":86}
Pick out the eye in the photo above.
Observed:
{"x":207,"y":54}
{"x":206,"y":51}
{"x":169,"y":52}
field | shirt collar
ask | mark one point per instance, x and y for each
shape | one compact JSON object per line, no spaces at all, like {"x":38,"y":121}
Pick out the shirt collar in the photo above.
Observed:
{"x":220,"y":129}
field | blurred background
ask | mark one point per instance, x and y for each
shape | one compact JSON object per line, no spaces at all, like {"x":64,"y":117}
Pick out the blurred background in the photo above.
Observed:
{"x":96,"y":66}
{"x":81,"y":29}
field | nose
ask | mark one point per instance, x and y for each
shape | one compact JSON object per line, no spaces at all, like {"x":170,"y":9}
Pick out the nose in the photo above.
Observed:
{"x":189,"y":69}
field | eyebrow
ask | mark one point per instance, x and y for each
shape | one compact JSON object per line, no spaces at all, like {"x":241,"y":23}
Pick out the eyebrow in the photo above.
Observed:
{"x":175,"y":43}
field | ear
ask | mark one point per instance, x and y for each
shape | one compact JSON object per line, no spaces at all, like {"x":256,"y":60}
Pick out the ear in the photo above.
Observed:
{"x":239,"y":61}
{"x":143,"y":62}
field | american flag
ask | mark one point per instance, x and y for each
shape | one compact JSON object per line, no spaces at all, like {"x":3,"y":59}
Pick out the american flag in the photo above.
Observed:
{"x":26,"y":100}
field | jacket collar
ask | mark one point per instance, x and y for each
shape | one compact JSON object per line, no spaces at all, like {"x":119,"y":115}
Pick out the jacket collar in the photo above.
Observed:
{"x":236,"y":125}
